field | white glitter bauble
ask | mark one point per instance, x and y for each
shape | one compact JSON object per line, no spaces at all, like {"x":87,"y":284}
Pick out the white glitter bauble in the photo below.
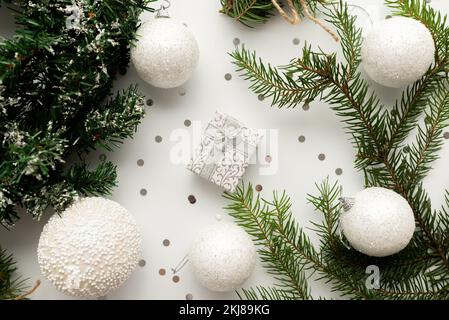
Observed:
{"x":166,"y":54}
{"x":222,"y":257}
{"x":379,"y":222}
{"x":398,"y":51}
{"x":90,"y":249}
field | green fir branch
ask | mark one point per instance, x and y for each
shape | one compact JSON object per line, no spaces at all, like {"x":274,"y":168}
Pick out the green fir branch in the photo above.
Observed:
{"x":420,"y":271}
{"x":253,"y":12}
{"x":263,"y":293}
{"x":55,"y":102}
{"x":97,"y":182}
{"x":117,"y":120}
{"x":55,"y":85}
{"x":329,"y":205}
{"x":280,"y":85}
{"x":405,"y":114}
{"x":248,"y":12}
{"x":269,"y":224}
{"x":432,"y":19}
{"x":285,"y":250}
{"x":11,"y":286}
{"x":402,"y":119}
{"x":429,"y":140}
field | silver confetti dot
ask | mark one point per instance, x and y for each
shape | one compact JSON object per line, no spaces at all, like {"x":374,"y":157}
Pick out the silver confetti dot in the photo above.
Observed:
{"x":268,"y":158}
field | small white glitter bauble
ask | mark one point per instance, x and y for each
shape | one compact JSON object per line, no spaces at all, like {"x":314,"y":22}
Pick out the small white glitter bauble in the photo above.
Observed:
{"x":222,"y":257}
{"x":166,"y":54}
{"x":379,"y":222}
{"x":89,"y":249}
{"x":398,"y":51}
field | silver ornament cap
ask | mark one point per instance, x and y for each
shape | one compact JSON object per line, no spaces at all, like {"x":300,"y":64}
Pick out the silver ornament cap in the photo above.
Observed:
{"x":166,"y":54}
{"x":378,"y":222}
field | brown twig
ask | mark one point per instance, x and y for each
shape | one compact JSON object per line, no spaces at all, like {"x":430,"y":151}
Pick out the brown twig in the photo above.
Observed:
{"x":253,"y":3}
{"x":229,"y":5}
{"x":23,"y":296}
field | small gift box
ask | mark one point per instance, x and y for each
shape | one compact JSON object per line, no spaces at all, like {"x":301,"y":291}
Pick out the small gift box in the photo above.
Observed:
{"x":225,"y":151}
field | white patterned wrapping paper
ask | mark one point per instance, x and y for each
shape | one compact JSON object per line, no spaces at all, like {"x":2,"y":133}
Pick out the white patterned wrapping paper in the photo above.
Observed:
{"x":225,"y":151}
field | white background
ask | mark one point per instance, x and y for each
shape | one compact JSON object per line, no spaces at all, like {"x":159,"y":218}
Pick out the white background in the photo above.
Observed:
{"x":165,"y":212}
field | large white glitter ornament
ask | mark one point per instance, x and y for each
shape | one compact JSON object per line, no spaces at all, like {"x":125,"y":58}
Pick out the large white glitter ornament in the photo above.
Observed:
{"x":89,"y":249}
{"x":166,"y":54}
{"x":398,"y":51}
{"x":222,"y":257}
{"x":378,"y":222}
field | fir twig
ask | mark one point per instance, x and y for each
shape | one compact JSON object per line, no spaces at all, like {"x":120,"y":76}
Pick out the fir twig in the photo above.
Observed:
{"x":11,"y":286}
{"x":379,"y":137}
{"x":55,"y":83}
{"x":258,"y":219}
{"x":253,"y":12}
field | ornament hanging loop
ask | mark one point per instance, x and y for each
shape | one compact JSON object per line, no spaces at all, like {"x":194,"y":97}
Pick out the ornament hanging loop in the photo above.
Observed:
{"x":341,"y":237}
{"x":354,"y":6}
{"x":162,"y":11}
{"x":346,"y":205}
